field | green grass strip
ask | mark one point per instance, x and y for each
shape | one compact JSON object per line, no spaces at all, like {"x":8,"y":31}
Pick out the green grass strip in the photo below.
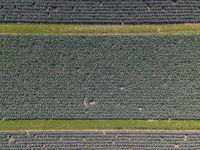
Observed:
{"x":19,"y":28}
{"x":99,"y":124}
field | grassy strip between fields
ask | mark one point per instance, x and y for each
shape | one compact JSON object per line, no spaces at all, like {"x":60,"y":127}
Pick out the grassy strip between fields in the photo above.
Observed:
{"x":99,"y":124}
{"x":22,"y":28}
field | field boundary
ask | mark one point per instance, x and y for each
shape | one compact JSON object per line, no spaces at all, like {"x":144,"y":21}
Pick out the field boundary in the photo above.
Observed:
{"x":96,"y":130}
{"x":57,"y":125}
{"x":58,"y":29}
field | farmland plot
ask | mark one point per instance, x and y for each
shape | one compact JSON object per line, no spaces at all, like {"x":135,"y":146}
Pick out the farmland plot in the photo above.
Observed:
{"x":140,"y":140}
{"x":100,"y":11}
{"x":99,"y":77}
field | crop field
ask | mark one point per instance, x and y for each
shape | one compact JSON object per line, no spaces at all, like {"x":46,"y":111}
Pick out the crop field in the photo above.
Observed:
{"x":99,"y":77}
{"x":100,"y":11}
{"x":94,"y":74}
{"x":99,"y":74}
{"x":138,"y":139}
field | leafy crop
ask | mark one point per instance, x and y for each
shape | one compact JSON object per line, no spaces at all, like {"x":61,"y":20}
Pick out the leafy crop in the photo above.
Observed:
{"x":159,"y":140}
{"x":100,"y":12}
{"x":99,"y":77}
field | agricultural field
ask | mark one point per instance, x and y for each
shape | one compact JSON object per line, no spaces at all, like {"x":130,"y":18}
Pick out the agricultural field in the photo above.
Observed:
{"x":100,"y":11}
{"x":138,"y":139}
{"x":99,"y":77}
{"x":96,"y":74}
{"x":24,"y":68}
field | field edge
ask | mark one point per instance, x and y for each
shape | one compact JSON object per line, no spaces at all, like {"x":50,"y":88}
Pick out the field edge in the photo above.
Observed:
{"x":9,"y":125}
{"x":26,"y":28}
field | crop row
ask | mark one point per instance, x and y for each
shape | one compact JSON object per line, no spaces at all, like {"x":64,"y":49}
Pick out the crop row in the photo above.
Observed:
{"x":140,"y":140}
{"x":100,"y":11}
{"x":99,"y":77}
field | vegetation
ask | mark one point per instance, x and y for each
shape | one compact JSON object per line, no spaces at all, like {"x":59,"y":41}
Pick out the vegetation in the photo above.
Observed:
{"x":99,"y":124}
{"x":99,"y":29}
{"x":99,"y":77}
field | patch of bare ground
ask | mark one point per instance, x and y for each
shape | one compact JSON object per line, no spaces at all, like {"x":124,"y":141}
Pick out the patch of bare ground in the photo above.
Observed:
{"x":10,"y":139}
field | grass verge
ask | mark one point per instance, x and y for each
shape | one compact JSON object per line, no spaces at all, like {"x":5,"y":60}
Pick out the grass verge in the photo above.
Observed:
{"x":99,"y":124}
{"x":22,"y":28}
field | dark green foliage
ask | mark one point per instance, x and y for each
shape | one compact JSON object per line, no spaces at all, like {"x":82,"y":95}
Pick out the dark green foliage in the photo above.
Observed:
{"x":99,"y":77}
{"x":116,"y":140}
{"x":100,"y":11}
